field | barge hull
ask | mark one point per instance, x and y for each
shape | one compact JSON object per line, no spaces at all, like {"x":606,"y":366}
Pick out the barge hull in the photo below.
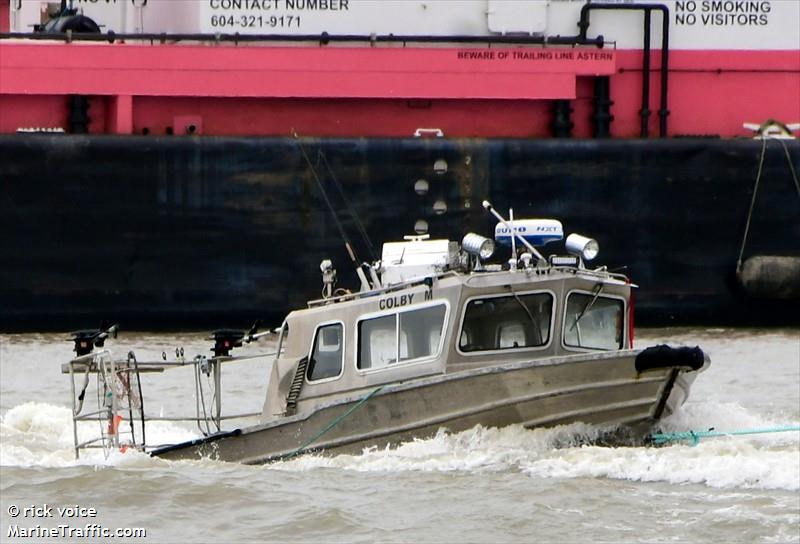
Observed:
{"x":187,"y":231}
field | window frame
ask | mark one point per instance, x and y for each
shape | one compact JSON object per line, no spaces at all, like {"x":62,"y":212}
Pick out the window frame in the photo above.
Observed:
{"x":581,"y":349}
{"x":313,"y":345}
{"x":553,"y":311}
{"x":396,"y":312}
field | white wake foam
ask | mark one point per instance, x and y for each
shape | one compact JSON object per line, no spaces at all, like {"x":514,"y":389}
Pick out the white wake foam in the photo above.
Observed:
{"x":35,"y":434}
{"x":764,"y":461}
{"x":720,"y":463}
{"x":38,"y":434}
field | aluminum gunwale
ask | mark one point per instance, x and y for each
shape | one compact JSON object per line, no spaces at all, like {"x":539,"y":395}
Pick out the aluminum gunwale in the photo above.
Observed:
{"x":486,"y":407}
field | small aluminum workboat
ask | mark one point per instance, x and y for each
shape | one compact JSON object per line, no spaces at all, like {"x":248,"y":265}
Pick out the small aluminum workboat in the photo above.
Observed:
{"x":434,"y":338}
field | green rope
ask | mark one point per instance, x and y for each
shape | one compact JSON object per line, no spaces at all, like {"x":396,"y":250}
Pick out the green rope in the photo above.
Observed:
{"x":332,"y":424}
{"x":695,"y":436}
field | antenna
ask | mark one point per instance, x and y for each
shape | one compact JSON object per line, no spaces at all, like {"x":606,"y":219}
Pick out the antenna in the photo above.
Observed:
{"x":350,"y":210}
{"x":514,"y":234}
{"x":347,"y":245}
{"x":513,"y":261}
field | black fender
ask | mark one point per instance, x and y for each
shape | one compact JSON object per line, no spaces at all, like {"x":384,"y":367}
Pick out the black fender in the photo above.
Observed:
{"x":75,"y":23}
{"x":663,"y":356}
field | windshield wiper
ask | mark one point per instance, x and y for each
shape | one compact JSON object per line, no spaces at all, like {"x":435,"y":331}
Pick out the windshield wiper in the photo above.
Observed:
{"x":596,"y":292}
{"x":534,"y":321}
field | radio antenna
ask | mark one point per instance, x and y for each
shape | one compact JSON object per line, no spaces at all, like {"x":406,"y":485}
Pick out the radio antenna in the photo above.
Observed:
{"x":347,"y":245}
{"x":350,"y":209}
{"x":513,"y":233}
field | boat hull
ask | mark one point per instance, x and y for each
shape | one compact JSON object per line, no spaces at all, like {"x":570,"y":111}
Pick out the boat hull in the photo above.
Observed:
{"x":601,"y":389}
{"x":162,"y":232}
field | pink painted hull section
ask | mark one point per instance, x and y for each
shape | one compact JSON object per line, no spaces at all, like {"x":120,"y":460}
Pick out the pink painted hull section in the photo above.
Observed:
{"x":389,"y":92}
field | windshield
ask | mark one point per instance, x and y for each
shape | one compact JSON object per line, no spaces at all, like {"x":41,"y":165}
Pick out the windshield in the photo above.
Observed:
{"x":506,"y":322}
{"x":593,"y":322}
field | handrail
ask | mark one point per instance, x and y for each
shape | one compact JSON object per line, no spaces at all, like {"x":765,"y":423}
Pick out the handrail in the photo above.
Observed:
{"x":194,"y":418}
{"x":381,"y":290}
{"x":323,"y":39}
{"x":111,"y":407}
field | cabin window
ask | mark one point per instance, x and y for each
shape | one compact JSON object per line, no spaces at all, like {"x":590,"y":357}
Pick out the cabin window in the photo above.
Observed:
{"x":404,"y":336}
{"x":377,"y":339}
{"x":507,"y":322}
{"x":593,"y":322}
{"x":420,"y":332}
{"x":326,"y":356}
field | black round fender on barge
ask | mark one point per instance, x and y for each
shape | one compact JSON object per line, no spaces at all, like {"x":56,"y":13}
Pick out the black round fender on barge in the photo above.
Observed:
{"x":73,"y":22}
{"x":771,"y":276}
{"x":663,"y":356}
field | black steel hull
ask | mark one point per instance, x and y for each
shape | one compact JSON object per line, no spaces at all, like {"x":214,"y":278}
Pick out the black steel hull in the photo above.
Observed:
{"x":178,"y":232}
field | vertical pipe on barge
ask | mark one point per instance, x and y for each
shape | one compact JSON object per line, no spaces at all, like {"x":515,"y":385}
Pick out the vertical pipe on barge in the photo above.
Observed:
{"x":602,"y":117}
{"x":562,"y":119}
{"x":663,"y":111}
{"x":644,"y":113}
{"x":583,"y":25}
{"x":78,"y":114}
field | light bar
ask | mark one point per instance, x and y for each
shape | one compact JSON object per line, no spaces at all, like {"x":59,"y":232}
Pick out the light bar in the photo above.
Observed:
{"x":563,"y":260}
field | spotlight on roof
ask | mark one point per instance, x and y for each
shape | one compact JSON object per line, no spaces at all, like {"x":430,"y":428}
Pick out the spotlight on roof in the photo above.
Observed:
{"x":478,"y":245}
{"x":583,"y":247}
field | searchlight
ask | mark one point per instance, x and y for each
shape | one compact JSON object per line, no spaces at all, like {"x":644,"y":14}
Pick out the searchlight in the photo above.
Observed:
{"x":478,"y":245}
{"x":583,"y":247}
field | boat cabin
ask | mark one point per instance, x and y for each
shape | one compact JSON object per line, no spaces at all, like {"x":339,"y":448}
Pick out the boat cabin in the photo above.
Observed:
{"x":433,"y":309}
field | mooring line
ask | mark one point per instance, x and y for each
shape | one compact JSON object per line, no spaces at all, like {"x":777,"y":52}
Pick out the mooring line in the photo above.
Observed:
{"x":331,"y":425}
{"x":752,"y":203}
{"x":695,"y":436}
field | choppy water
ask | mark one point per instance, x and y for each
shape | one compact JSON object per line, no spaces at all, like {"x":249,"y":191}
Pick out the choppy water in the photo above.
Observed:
{"x":482,"y":485}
